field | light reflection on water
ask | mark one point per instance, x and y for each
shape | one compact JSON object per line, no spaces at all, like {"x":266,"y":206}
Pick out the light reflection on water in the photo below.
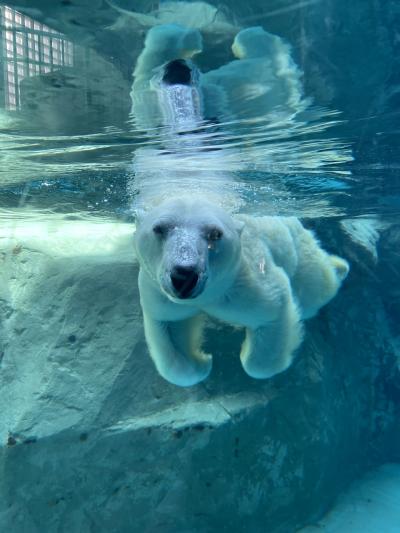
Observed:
{"x":274,"y":167}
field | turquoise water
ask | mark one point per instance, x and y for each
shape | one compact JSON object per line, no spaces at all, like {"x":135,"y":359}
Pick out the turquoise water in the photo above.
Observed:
{"x":92,"y":439}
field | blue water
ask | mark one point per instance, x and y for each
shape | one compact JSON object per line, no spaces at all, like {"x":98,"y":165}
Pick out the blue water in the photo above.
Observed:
{"x":92,"y":439}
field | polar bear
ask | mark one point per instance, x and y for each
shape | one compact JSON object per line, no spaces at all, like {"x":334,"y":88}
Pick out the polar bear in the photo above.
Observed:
{"x":262,"y":80}
{"x":264,"y":274}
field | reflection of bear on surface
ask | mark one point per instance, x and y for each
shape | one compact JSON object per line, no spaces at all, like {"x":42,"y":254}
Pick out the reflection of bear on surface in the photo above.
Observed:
{"x":163,"y":43}
{"x":262,"y":81}
{"x":264,"y":274}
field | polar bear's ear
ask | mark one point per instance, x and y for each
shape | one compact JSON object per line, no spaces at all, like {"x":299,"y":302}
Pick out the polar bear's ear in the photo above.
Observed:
{"x":239,"y":225}
{"x":139,"y":215}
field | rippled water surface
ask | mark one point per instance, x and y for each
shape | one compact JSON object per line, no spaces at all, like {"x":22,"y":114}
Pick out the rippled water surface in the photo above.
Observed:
{"x":68,"y":145}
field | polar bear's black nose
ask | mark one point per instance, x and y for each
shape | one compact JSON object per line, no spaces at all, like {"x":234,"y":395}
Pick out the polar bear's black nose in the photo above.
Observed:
{"x":177,"y":72}
{"x":184,"y":280}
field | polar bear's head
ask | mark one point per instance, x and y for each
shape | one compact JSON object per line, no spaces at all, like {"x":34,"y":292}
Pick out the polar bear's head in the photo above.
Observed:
{"x":190,"y":248}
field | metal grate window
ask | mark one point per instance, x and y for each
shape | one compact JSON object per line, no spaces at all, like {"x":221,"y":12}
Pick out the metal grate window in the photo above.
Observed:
{"x":28,"y":48}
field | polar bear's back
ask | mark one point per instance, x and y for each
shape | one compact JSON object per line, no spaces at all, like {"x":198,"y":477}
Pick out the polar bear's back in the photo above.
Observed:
{"x":315,"y":276}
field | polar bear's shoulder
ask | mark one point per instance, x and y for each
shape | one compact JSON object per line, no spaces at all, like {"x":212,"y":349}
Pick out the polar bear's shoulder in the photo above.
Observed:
{"x":315,"y":275}
{"x":274,"y":238}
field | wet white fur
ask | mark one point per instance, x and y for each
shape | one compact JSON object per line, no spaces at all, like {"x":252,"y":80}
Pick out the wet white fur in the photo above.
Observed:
{"x":265,"y":274}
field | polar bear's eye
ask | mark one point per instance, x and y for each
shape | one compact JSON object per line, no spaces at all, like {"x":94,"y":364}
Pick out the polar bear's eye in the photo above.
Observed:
{"x":214,"y":234}
{"x":160,"y":229}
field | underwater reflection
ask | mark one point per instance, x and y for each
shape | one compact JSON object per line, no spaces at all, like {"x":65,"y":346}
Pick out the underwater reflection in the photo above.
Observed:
{"x":260,"y":133}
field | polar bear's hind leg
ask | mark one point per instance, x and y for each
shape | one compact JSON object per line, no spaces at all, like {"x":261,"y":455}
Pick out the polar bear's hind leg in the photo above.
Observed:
{"x":341,"y":266}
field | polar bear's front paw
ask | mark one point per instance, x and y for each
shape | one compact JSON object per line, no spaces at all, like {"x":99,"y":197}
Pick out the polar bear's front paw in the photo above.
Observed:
{"x":186,"y":371}
{"x":268,"y":368}
{"x":268,"y":350}
{"x":175,"y":349}
{"x":260,"y":364}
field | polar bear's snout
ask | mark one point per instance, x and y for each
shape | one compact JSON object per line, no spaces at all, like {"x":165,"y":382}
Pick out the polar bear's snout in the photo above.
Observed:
{"x":186,"y":265}
{"x":184,"y":280}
